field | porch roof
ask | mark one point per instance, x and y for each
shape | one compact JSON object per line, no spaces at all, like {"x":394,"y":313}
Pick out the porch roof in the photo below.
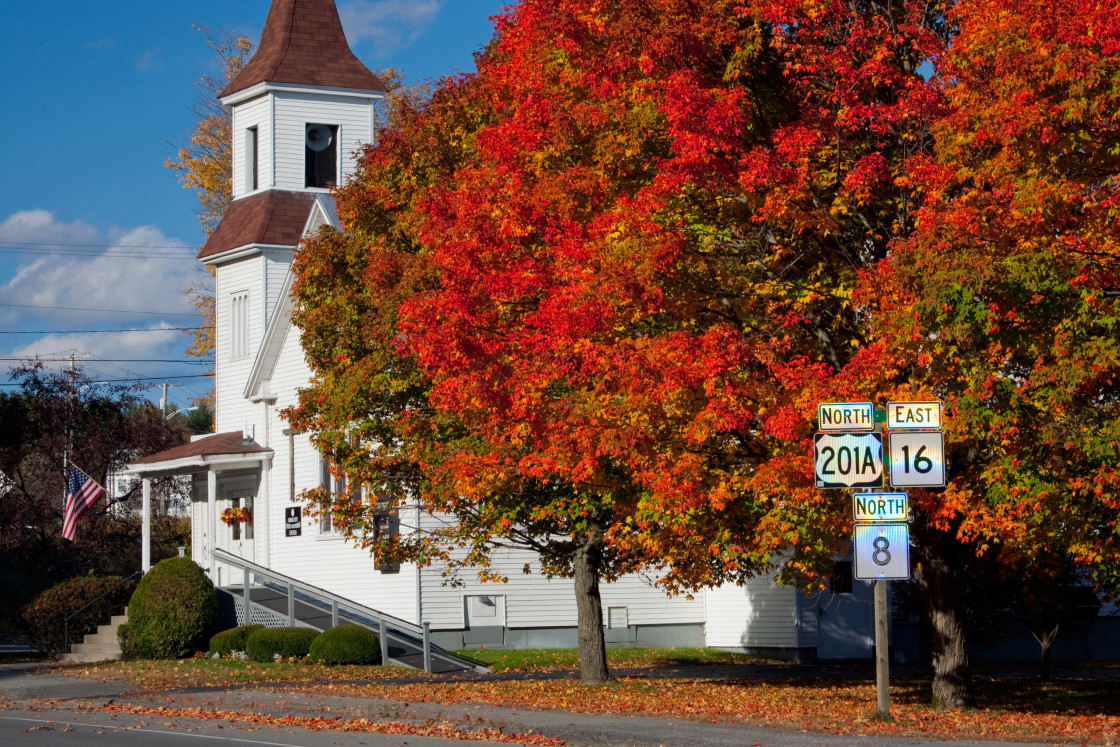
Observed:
{"x":221,"y":451}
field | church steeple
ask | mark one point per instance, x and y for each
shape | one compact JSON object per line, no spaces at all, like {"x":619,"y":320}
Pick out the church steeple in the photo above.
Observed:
{"x":301,"y":109}
{"x":303,"y":44}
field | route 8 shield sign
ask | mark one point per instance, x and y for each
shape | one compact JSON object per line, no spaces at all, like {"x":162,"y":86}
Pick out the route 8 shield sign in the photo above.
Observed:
{"x":882,"y":552}
{"x":848,"y":460}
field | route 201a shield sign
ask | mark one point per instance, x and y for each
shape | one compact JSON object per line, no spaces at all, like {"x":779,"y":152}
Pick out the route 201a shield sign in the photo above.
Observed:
{"x":848,"y":460}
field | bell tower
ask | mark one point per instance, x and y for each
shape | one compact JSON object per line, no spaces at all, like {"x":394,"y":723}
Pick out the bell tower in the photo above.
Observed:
{"x":302,"y":105}
{"x":301,"y":108}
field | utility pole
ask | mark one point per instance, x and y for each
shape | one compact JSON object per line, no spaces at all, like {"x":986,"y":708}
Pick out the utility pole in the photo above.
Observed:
{"x":163,"y":399}
{"x":72,"y":372}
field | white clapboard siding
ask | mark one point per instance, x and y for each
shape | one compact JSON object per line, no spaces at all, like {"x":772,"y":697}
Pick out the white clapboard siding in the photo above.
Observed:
{"x":232,"y":409}
{"x":532,"y":601}
{"x":276,"y":264}
{"x":758,"y":614}
{"x":294,"y":111}
{"x":326,"y":561}
{"x":254,"y":113}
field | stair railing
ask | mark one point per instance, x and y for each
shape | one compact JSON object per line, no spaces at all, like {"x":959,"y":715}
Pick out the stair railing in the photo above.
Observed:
{"x":66,"y":622}
{"x":387,"y":626}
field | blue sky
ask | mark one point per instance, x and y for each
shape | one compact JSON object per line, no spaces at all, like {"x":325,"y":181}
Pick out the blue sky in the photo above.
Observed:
{"x":95,"y":234}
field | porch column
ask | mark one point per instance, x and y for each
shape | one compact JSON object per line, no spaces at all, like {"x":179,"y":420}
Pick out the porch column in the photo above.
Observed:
{"x":146,"y":536}
{"x":212,"y":522}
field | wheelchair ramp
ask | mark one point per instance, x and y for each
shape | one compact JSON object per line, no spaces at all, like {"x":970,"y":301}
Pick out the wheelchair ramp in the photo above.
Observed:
{"x":277,"y":600}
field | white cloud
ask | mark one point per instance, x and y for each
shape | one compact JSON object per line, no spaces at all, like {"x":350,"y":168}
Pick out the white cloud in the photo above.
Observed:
{"x":100,"y":45}
{"x":70,"y":266}
{"x":150,"y":60}
{"x":389,"y":25}
{"x":40,"y":226}
{"x":155,"y":342}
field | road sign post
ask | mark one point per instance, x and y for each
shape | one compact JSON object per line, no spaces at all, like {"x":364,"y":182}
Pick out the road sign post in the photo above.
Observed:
{"x":882,"y":651}
{"x":848,"y":453}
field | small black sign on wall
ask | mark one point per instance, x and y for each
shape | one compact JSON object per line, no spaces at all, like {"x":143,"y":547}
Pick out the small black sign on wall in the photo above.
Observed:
{"x":293,"y":522}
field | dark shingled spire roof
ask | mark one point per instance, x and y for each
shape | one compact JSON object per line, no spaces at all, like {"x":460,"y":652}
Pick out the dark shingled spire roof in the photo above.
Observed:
{"x":303,"y":44}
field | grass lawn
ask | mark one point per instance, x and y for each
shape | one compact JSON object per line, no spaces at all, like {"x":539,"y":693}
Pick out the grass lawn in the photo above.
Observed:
{"x":836,"y":700}
{"x":153,"y":675}
{"x":536,"y":660}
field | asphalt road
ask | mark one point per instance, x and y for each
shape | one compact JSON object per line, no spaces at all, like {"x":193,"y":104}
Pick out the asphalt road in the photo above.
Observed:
{"x":69,"y":728}
{"x":62,"y":726}
{"x":47,"y":709}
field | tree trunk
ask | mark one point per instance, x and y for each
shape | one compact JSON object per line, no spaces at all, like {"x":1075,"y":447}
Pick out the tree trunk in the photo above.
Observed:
{"x":1045,"y":641}
{"x":952,"y":681}
{"x":592,"y":643}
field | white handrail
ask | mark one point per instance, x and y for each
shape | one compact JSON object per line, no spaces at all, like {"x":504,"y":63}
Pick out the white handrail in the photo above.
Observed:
{"x":388,"y":626}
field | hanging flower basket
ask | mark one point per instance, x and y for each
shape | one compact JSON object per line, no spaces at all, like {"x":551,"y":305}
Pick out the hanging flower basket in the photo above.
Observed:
{"x":233,"y":516}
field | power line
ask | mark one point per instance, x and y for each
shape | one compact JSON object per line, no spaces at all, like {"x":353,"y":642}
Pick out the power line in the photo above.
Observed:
{"x":145,"y":378}
{"x":127,"y":246}
{"x":110,"y":311}
{"x":102,"y":255}
{"x":96,"y":331}
{"x":129,"y":360}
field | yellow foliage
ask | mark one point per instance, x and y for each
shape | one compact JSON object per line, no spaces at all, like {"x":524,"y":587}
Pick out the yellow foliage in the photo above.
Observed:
{"x":205,"y":164}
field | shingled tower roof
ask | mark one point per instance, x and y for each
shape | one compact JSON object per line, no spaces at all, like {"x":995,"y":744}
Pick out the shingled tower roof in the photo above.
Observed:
{"x":303,"y":44}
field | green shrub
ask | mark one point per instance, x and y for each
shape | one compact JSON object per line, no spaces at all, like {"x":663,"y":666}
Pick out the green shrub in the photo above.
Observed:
{"x":233,"y":639}
{"x":45,"y":615}
{"x":346,"y":644}
{"x":172,"y":613}
{"x":268,"y":643}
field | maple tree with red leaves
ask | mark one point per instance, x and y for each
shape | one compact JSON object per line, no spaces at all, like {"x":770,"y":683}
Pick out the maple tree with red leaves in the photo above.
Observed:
{"x":589,"y":297}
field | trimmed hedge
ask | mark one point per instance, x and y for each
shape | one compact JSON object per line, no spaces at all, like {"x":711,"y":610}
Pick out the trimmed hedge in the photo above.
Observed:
{"x":233,"y":639}
{"x":346,"y":644}
{"x":45,"y":615}
{"x":172,"y":614}
{"x":263,"y":645}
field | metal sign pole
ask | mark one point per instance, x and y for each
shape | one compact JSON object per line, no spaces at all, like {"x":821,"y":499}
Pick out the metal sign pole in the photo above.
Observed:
{"x":848,"y":453}
{"x":882,"y":663}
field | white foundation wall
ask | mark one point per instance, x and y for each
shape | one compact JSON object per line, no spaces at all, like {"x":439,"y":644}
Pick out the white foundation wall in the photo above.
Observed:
{"x":532,"y":601}
{"x":321,"y":559}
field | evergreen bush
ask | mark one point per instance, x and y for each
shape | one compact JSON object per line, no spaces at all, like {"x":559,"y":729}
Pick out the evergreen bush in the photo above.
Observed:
{"x":264,"y":645}
{"x":172,"y":613}
{"x":233,"y":639}
{"x":346,"y":644}
{"x":45,"y":615}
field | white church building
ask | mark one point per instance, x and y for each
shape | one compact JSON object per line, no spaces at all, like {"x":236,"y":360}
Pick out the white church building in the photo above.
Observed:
{"x":301,"y":108}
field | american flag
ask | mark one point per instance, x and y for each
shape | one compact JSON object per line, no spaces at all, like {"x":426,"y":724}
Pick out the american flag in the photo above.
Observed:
{"x":82,"y":493}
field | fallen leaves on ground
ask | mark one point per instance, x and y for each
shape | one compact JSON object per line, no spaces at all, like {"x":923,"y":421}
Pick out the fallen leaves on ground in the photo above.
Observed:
{"x":428,"y":728}
{"x":804,"y":704}
{"x":1070,"y":710}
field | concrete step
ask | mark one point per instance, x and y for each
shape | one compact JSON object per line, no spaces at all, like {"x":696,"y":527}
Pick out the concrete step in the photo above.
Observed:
{"x":107,"y":649}
{"x":100,"y":646}
{"x":86,"y":658}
